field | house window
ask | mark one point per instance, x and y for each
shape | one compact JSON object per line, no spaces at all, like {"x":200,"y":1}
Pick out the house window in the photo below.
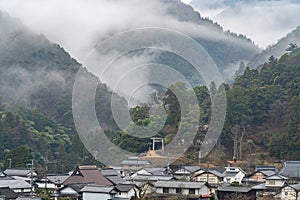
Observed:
{"x":192,"y":191}
{"x":165,"y":190}
{"x":286,"y":193}
{"x":202,"y":179}
{"x":228,"y":179}
{"x":178,"y":190}
{"x":271,"y":182}
{"x":211,"y":180}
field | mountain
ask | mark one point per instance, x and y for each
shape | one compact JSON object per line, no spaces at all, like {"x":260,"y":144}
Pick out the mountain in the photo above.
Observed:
{"x":276,"y":50}
{"x":36,"y":83}
{"x":227,"y":49}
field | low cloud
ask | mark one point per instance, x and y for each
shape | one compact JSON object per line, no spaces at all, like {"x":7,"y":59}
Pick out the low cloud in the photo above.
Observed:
{"x":265,"y":21}
{"x":79,"y":25}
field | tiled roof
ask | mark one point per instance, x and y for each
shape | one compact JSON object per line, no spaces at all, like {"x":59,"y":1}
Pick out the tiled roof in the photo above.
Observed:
{"x":115,"y":179}
{"x":14,"y":184}
{"x":212,"y":171}
{"x":179,"y":184}
{"x":124,"y":188}
{"x":17,"y":172}
{"x":109,"y":172}
{"x":291,"y":169}
{"x":296,"y":186}
{"x":98,"y":189}
{"x":265,"y":168}
{"x":261,"y":186}
{"x":87,"y":174}
{"x":192,"y":168}
{"x":150,"y":178}
{"x":234,"y":189}
{"x":268,"y":172}
{"x":276,"y":177}
{"x":135,"y":162}
{"x":156,"y":171}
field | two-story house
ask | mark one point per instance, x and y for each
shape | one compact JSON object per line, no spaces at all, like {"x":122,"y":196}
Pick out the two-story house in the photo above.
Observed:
{"x":212,"y":176}
{"x":233,"y":174}
{"x":271,"y":187}
{"x":259,"y":176}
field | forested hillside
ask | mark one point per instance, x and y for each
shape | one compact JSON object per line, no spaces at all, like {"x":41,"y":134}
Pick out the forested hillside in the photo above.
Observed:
{"x":36,"y":82}
{"x":263,"y":114}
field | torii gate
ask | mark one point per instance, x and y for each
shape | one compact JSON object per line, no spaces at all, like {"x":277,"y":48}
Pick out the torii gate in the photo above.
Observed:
{"x":159,"y":140}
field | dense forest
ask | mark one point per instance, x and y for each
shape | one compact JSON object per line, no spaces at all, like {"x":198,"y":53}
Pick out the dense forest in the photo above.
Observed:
{"x":262,"y":114}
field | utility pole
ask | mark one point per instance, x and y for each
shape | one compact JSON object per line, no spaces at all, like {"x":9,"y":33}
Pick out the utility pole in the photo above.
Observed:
{"x":9,"y":162}
{"x":31,"y":178}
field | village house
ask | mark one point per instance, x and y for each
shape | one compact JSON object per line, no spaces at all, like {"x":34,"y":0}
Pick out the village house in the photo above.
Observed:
{"x":230,"y":193}
{"x":123,"y":191}
{"x":16,"y":172}
{"x":51,"y":182}
{"x":291,"y":170}
{"x":291,"y":192}
{"x":272,"y":187}
{"x":260,"y":175}
{"x":81,"y":177}
{"x":126,"y":191}
{"x":133,"y":164}
{"x":94,"y":192}
{"x":212,"y":176}
{"x":185,"y":189}
{"x":186,"y":172}
{"x":150,"y":172}
{"x":87,"y":175}
{"x":233,"y":174}
{"x":112,"y":175}
{"x":19,"y":186}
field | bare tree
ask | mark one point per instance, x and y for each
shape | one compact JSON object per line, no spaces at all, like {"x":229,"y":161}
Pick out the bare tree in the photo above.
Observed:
{"x":235,"y":133}
{"x":143,"y":190}
{"x":241,"y":139}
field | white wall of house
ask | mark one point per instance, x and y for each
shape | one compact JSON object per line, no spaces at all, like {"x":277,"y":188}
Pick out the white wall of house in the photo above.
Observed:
{"x":46,"y":185}
{"x":288,"y":193}
{"x":213,"y":179}
{"x":95,"y":196}
{"x":185,"y":191}
{"x":128,"y":194}
{"x":238,"y":178}
{"x":277,"y":183}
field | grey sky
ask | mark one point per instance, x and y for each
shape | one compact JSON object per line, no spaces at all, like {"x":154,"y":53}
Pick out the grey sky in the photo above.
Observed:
{"x":264,"y":21}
